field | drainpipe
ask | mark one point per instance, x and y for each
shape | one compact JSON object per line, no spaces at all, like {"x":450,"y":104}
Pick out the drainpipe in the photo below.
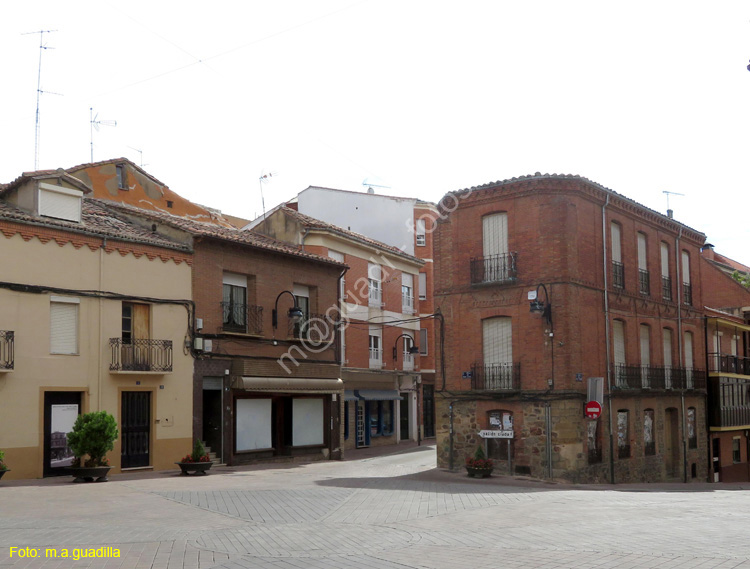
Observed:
{"x":548,"y":421}
{"x":678,"y":258}
{"x":607,"y":339}
{"x":450,"y":436}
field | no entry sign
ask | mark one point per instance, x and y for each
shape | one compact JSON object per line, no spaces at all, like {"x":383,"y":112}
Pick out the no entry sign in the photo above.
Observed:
{"x":593,"y":409}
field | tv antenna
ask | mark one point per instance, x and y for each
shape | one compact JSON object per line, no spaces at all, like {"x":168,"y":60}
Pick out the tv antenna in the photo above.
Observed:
{"x":140,"y":152}
{"x":95,"y":123}
{"x":37,"y":125}
{"x":669,"y":211}
{"x":264,"y":177}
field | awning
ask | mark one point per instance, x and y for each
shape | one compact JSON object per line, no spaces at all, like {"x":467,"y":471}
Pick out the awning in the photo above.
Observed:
{"x":349,"y":396}
{"x":289,"y":385}
{"x":377,"y":394}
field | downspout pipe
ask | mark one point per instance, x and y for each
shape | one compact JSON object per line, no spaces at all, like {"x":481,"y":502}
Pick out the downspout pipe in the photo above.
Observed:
{"x":607,"y":339}
{"x":678,"y":257}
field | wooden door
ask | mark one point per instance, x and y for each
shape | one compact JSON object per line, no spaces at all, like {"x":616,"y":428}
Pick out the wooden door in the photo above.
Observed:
{"x":671,"y":443}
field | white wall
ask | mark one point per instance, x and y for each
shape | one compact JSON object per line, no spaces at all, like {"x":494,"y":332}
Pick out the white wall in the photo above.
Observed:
{"x":384,"y":218}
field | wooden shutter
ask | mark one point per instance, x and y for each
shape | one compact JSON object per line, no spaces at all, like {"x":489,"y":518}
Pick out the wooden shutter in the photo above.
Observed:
{"x":63,"y":327}
{"x":619,"y":341}
{"x":141,"y":321}
{"x":497,"y":340}
{"x":495,"y":234}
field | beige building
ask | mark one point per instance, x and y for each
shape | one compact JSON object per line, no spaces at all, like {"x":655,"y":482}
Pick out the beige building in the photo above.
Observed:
{"x":95,"y":314}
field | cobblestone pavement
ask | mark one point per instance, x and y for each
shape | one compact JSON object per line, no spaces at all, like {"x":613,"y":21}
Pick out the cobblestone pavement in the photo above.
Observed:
{"x":376,"y":511}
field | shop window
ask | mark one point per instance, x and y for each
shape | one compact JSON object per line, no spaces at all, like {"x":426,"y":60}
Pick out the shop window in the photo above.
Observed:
{"x":623,"y":439}
{"x":381,"y":418}
{"x":692,"y":436}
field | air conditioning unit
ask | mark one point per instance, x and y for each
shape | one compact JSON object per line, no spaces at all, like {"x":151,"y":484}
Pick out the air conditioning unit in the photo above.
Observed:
{"x":208,"y":345}
{"x":199,"y":323}
{"x":198,"y":344}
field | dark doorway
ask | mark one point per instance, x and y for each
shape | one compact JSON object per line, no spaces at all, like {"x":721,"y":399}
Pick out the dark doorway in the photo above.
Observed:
{"x":212,"y":431}
{"x":404,"y":416}
{"x":61,"y":409}
{"x":136,"y":428}
{"x":671,"y":443}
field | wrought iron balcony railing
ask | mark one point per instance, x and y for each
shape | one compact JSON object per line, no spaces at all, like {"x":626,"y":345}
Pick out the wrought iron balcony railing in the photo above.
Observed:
{"x":658,"y":378}
{"x":727,"y":363}
{"x":644,"y":285}
{"x":316,"y":329}
{"x":618,"y":275}
{"x":687,"y":294}
{"x":242,"y":318}
{"x":496,"y":377}
{"x":141,"y":355}
{"x":666,"y":288}
{"x":494,"y":269}
{"x":6,"y":349}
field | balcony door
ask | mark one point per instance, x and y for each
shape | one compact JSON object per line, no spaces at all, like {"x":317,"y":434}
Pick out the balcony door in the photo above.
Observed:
{"x":136,"y":323}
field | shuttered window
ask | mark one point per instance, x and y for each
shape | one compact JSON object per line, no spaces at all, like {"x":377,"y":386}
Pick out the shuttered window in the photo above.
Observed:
{"x":616,"y":243}
{"x":664,"y":259}
{"x":645,"y":345}
{"x":667,"y":343}
{"x":495,"y":234}
{"x":619,"y":341}
{"x":689,"y":350}
{"x":422,"y":286}
{"x":63,"y":325}
{"x":423,"y":350}
{"x":60,"y":203}
{"x":685,"y":267}
{"x":642,"y":261}
{"x":497,"y":340}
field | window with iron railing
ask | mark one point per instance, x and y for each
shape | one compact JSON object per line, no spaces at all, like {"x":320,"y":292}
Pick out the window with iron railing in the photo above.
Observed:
{"x":644,"y":286}
{"x":407,"y":299}
{"x":6,"y":349}
{"x":497,"y":269}
{"x":666,"y":288}
{"x":618,"y":275}
{"x":687,"y":294}
{"x":375,"y":296}
{"x":496,"y":377}
{"x":140,"y":355}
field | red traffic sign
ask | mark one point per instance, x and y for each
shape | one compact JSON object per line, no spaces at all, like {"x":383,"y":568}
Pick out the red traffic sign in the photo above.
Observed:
{"x":593,"y":409}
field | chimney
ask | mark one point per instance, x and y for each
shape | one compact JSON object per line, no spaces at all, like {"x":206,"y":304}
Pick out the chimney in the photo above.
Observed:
{"x":670,"y":214}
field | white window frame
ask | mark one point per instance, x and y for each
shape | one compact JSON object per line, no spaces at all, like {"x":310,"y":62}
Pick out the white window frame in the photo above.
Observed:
{"x":422,"y":280}
{"x":421,"y":238}
{"x":375,"y":286}
{"x":59,"y":203}
{"x":423,"y":342}
{"x":375,"y":345}
{"x":64,"y":321}
{"x":407,"y":293}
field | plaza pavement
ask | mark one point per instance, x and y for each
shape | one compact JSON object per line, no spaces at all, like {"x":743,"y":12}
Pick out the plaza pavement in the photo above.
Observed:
{"x":379,"y":509}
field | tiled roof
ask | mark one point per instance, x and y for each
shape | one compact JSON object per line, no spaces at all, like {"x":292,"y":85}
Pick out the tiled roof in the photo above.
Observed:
{"x":95,"y":220}
{"x":201,"y":229}
{"x":540,"y":176}
{"x":114,"y":161}
{"x":312,"y":223}
{"x":60,"y":173}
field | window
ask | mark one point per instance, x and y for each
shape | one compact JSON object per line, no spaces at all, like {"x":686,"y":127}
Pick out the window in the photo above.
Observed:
{"x":234,"y":302}
{"x":122,"y":182}
{"x":666,"y":281}
{"x":376,"y":348}
{"x":736,"y":452}
{"x":135,"y":322}
{"x":623,"y":438}
{"x":422,"y":286}
{"x":618,"y":338}
{"x":381,"y":418}
{"x":497,"y":263}
{"x":497,"y":351}
{"x":407,"y":293}
{"x":302,"y":296}
{"x":692,"y":435}
{"x":374,"y":281}
{"x":688,"y":342}
{"x":408,"y":358}
{"x":649,"y":444}
{"x":59,"y":202}
{"x":687,"y":291}
{"x":645,"y":345}
{"x":423,"y":342}
{"x":667,"y":350}
{"x":643,"y":275}
{"x":63,"y":325}
{"x":420,"y":231}
{"x":618,"y":269}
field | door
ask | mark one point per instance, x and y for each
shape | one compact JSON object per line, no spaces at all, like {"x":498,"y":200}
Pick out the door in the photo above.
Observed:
{"x":61,"y":409}
{"x":404,"y":416}
{"x":212,"y":431}
{"x":671,"y":443}
{"x":135,"y":334}
{"x":136,"y":428}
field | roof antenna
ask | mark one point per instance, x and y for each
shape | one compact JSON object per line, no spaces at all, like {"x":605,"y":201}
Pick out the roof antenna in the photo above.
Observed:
{"x":264,"y":177}
{"x":37,"y":126}
{"x":139,"y":152}
{"x":95,"y":125}
{"x":670,"y":213}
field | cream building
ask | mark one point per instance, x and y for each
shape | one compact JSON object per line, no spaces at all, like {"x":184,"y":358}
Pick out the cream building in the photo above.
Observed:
{"x":95,"y":314}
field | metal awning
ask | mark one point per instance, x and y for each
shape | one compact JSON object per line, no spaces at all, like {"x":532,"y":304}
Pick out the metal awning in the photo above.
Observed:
{"x":289,"y":384}
{"x":350,"y":396}
{"x":377,"y":394}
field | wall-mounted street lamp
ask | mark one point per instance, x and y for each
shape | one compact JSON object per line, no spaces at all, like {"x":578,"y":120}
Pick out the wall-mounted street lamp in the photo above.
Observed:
{"x":413,"y":350}
{"x":536,"y":306}
{"x":295,"y":312}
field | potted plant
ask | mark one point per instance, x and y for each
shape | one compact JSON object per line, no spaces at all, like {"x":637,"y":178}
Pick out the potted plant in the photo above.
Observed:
{"x":198,"y":461}
{"x":3,"y":467}
{"x":93,"y":435}
{"x":479,"y":466}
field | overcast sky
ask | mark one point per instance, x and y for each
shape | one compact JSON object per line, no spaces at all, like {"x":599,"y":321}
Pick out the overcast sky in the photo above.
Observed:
{"x":424,"y":97}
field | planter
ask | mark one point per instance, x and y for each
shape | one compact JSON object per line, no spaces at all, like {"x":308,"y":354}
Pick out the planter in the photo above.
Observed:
{"x":90,"y":473}
{"x":478,"y":472}
{"x":4,"y":471}
{"x":194,"y":467}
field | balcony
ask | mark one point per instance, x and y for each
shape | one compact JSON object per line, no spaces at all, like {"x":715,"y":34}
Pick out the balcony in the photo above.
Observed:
{"x":496,"y":377}
{"x":644,"y":285}
{"x":316,"y":329}
{"x":657,"y":378}
{"x":687,"y":294}
{"x":726,"y":363}
{"x":6,"y":350}
{"x":497,"y":269}
{"x":666,"y":288}
{"x":242,"y":318}
{"x":408,"y":364}
{"x":618,"y":275}
{"x":142,"y":356}
{"x":730,"y":397}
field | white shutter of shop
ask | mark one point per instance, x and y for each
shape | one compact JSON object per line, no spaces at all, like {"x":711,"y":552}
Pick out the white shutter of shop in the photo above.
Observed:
{"x":619,"y":340}
{"x":645,"y":345}
{"x":497,"y":340}
{"x":253,"y":422}
{"x":63,"y":327}
{"x":642,"y":261}
{"x":495,"y":234}
{"x":616,"y":243}
{"x":307,"y":422}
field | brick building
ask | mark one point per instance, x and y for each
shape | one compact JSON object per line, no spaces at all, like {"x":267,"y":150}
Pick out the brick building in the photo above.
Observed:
{"x":380,"y":311}
{"x":556,"y":291}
